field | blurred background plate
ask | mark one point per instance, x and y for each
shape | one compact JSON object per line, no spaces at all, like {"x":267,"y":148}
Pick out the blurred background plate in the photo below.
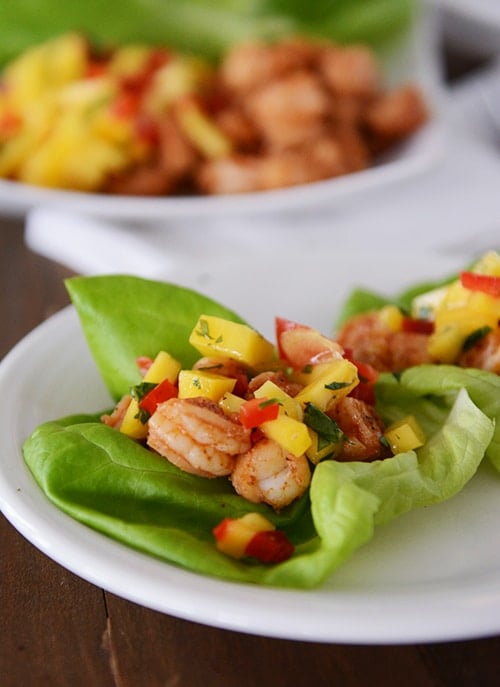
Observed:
{"x":412,"y":58}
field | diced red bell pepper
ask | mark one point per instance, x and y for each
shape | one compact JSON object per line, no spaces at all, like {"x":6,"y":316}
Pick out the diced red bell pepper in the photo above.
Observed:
{"x":368,"y":375}
{"x":270,"y":546}
{"x":258,"y":410}
{"x":481,"y":282}
{"x":418,"y":326}
{"x":162,"y":392}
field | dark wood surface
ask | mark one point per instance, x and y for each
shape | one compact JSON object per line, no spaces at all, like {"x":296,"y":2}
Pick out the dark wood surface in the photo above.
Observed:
{"x":60,"y":631}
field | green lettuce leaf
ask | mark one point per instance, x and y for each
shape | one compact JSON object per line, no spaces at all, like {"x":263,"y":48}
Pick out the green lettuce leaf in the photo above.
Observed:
{"x":198,"y":26}
{"x":118,"y":487}
{"x":124,"y":317}
{"x":110,"y":483}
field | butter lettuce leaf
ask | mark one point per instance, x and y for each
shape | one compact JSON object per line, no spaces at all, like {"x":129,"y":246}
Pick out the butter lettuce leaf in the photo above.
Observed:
{"x":124,"y":317}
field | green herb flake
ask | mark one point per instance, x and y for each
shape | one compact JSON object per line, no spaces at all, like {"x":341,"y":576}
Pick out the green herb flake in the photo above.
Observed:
{"x":475,"y":336}
{"x":322,"y":424}
{"x":269,"y":402}
{"x":140,"y":390}
{"x":334,"y":386}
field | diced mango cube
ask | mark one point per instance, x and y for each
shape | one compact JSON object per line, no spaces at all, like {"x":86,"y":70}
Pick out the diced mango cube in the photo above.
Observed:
{"x":164,"y":366}
{"x":288,"y":405}
{"x":202,"y":132}
{"x":217,"y":336}
{"x":336,"y":381}
{"x":233,"y":535}
{"x":392,"y":317}
{"x":291,"y":434}
{"x":193,"y":383}
{"x":321,"y":448}
{"x":231,"y":404}
{"x":445,"y":344}
{"x":405,"y":435}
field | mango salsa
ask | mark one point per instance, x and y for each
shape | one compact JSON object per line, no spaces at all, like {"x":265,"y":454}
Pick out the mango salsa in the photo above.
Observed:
{"x":217,"y":336}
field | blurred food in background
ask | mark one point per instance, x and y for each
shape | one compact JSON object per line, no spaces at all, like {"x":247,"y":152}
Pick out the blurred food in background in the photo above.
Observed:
{"x":143,"y":118}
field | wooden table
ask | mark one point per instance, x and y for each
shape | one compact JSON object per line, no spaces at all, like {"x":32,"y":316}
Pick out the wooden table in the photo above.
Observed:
{"x":60,"y":631}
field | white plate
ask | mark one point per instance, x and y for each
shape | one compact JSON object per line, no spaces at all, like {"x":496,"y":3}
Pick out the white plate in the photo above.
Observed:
{"x":413,"y":59}
{"x":433,"y":574}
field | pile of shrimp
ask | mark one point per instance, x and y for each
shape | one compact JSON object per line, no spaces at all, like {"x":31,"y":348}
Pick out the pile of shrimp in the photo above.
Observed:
{"x":372,"y":341}
{"x":268,"y":116}
{"x":198,"y":437}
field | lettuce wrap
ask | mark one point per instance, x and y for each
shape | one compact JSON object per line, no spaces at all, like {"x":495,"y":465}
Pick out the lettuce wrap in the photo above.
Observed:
{"x":118,"y":487}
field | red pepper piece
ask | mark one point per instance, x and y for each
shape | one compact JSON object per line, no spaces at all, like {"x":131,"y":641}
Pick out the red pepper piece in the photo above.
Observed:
{"x":412,"y":324}
{"x":481,"y":282}
{"x":258,"y":410}
{"x":270,"y":546}
{"x":162,"y":392}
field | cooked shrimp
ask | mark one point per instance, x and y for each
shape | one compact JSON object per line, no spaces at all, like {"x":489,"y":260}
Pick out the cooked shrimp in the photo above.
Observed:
{"x":279,"y":378}
{"x":291,"y":110}
{"x":485,"y":354}
{"x":371,"y":341}
{"x":321,"y":159}
{"x":236,"y":174}
{"x":195,"y":435}
{"x":351,"y":70}
{"x":268,"y":474}
{"x":368,"y":337}
{"x":363,"y":428}
{"x":250,"y":65}
{"x":396,"y":114}
{"x":115,"y":418}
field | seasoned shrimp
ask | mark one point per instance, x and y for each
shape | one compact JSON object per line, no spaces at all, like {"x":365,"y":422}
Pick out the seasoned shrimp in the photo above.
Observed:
{"x":485,"y":354}
{"x":250,"y":65}
{"x":371,"y":341}
{"x":268,"y":474}
{"x":396,"y":114}
{"x":195,"y":435}
{"x":290,"y":110}
{"x":321,"y":159}
{"x":363,"y":428}
{"x":351,"y":70}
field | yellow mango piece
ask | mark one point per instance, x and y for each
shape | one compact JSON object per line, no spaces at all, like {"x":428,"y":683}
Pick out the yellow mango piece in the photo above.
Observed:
{"x":288,"y":405}
{"x":291,"y":434}
{"x":489,"y":264}
{"x":445,"y":344}
{"x":203,"y":133}
{"x":392,"y":317}
{"x":336,"y":381}
{"x":230,"y":403}
{"x":193,"y":383}
{"x":164,"y":366}
{"x":234,"y":534}
{"x":321,"y":448}
{"x":182,"y":75}
{"x":217,"y":336}
{"x":405,"y":435}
